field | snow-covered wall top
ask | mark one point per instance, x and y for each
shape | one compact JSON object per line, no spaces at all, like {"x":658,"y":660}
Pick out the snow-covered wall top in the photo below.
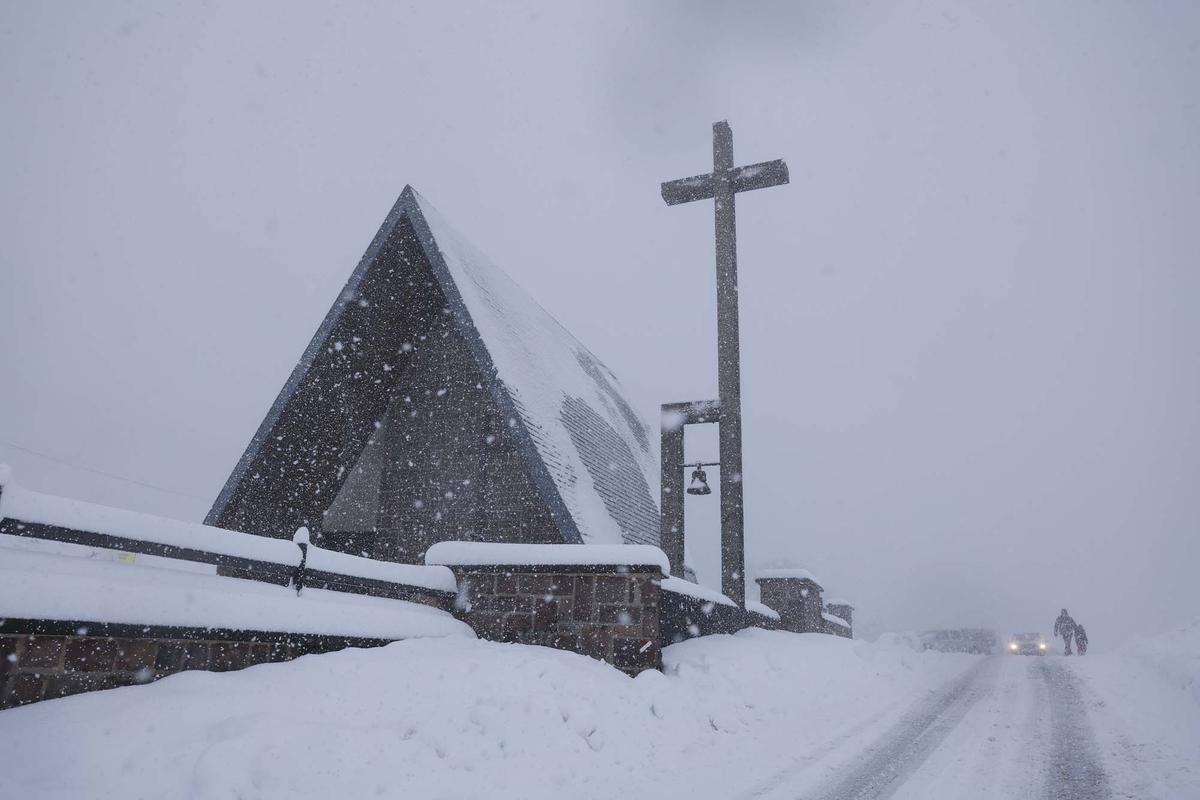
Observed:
{"x":47,"y":586}
{"x":795,"y":572}
{"x":765,"y":610}
{"x":695,"y":590}
{"x":18,"y":503}
{"x":466,"y":554}
{"x":594,"y":446}
{"x":835,"y":620}
{"x":838,"y":601}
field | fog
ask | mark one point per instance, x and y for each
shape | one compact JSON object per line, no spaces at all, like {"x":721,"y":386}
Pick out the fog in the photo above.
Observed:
{"x":969,"y":332}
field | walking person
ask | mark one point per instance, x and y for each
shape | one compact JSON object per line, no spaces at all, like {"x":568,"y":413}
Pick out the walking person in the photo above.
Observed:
{"x":1064,"y":626}
{"x":1080,"y":639}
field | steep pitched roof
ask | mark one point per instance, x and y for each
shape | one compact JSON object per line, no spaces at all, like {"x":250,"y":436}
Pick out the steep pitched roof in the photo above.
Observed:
{"x":585,"y":448}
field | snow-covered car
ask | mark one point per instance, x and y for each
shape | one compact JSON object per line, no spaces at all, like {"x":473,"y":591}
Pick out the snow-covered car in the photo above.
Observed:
{"x":1027,"y":644}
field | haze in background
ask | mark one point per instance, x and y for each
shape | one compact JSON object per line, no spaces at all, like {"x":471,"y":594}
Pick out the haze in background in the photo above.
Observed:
{"x":970,"y":338}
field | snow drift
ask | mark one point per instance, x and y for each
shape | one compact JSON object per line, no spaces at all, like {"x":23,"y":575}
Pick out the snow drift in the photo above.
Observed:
{"x":457,"y":717}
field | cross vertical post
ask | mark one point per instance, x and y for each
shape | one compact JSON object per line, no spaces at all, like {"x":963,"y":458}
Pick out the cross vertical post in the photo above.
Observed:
{"x":729,"y":373}
{"x":720,"y":186}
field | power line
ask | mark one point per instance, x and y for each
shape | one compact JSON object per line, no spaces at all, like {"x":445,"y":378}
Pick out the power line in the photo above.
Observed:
{"x":72,"y":465}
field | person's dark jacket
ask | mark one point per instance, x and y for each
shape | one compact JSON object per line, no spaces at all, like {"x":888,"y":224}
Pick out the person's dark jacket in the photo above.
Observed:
{"x":1064,"y":626}
{"x":1080,"y":634}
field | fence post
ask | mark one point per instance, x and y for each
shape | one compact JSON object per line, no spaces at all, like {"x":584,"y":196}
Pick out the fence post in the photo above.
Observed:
{"x":301,"y":540}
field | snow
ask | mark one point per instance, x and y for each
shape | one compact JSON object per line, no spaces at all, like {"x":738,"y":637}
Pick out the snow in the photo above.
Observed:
{"x":41,"y":585}
{"x":426,"y":577}
{"x":1146,"y":711}
{"x":21,"y":504}
{"x":541,"y":365}
{"x":460,"y":554}
{"x":838,"y":601}
{"x":457,"y":718}
{"x":836,"y":620}
{"x":680,"y":586}
{"x":799,"y":574}
{"x":764,"y":610}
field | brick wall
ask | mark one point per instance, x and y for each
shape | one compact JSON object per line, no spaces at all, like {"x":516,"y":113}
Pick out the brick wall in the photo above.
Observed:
{"x":42,"y":661}
{"x":608,"y":613}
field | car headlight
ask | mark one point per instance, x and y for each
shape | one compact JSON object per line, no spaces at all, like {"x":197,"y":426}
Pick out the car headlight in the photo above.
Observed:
{"x":1012,"y":645}
{"x":1041,"y":645}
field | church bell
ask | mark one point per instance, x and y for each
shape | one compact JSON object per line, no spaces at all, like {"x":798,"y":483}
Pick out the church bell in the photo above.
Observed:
{"x":699,"y":484}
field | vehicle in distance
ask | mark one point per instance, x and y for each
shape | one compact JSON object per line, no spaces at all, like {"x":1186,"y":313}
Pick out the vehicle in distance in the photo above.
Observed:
{"x":1027,"y":644}
{"x":960,"y":640}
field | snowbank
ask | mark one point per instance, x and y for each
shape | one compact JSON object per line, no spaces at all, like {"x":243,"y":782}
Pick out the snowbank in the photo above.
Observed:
{"x":1146,"y":712}
{"x":456,"y":717}
{"x":473,"y":554}
{"x":40,"y":585}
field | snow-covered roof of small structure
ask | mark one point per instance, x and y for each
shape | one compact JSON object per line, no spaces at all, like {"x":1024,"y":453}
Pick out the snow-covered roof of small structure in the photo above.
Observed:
{"x":791,"y":572}
{"x":585,"y":449}
{"x":481,"y":554}
{"x":838,"y":601}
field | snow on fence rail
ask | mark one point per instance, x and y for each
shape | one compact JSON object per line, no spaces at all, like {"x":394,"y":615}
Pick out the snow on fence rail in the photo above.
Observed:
{"x":41,"y":516}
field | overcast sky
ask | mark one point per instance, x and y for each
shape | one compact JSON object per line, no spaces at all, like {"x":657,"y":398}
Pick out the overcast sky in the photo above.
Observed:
{"x":971,"y":347}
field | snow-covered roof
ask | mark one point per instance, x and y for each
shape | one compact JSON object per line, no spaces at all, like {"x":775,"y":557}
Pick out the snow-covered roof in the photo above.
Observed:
{"x":794,"y":572}
{"x":586,"y":450}
{"x":478,"y":554}
{"x":594,"y":447}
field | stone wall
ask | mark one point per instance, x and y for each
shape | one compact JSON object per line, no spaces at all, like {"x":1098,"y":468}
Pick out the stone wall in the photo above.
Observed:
{"x":42,"y":660}
{"x":798,"y":601}
{"x":609,"y":613}
{"x":685,"y":617}
{"x":844,"y":611}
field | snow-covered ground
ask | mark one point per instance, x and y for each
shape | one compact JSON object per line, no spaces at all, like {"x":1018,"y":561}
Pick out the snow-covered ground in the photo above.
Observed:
{"x":763,"y":714}
{"x":449,"y":718}
{"x":1144,"y":702}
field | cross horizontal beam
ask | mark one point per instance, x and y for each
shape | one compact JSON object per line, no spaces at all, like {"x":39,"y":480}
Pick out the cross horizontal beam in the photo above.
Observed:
{"x":744,"y":179}
{"x":693,"y":412}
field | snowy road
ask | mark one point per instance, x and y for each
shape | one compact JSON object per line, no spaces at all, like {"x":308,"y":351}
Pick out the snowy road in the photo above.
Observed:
{"x":1010,"y":727}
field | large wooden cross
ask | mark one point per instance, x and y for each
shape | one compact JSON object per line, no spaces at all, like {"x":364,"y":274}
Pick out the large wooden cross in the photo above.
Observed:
{"x":721,"y":185}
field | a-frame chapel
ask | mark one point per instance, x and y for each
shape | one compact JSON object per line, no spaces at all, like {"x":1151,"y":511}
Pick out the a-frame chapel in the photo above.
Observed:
{"x":438,"y":401}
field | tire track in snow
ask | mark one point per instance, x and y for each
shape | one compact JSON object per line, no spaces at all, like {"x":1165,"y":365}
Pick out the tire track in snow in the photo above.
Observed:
{"x":1075,"y":772}
{"x":887,"y":763}
{"x":999,"y":750}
